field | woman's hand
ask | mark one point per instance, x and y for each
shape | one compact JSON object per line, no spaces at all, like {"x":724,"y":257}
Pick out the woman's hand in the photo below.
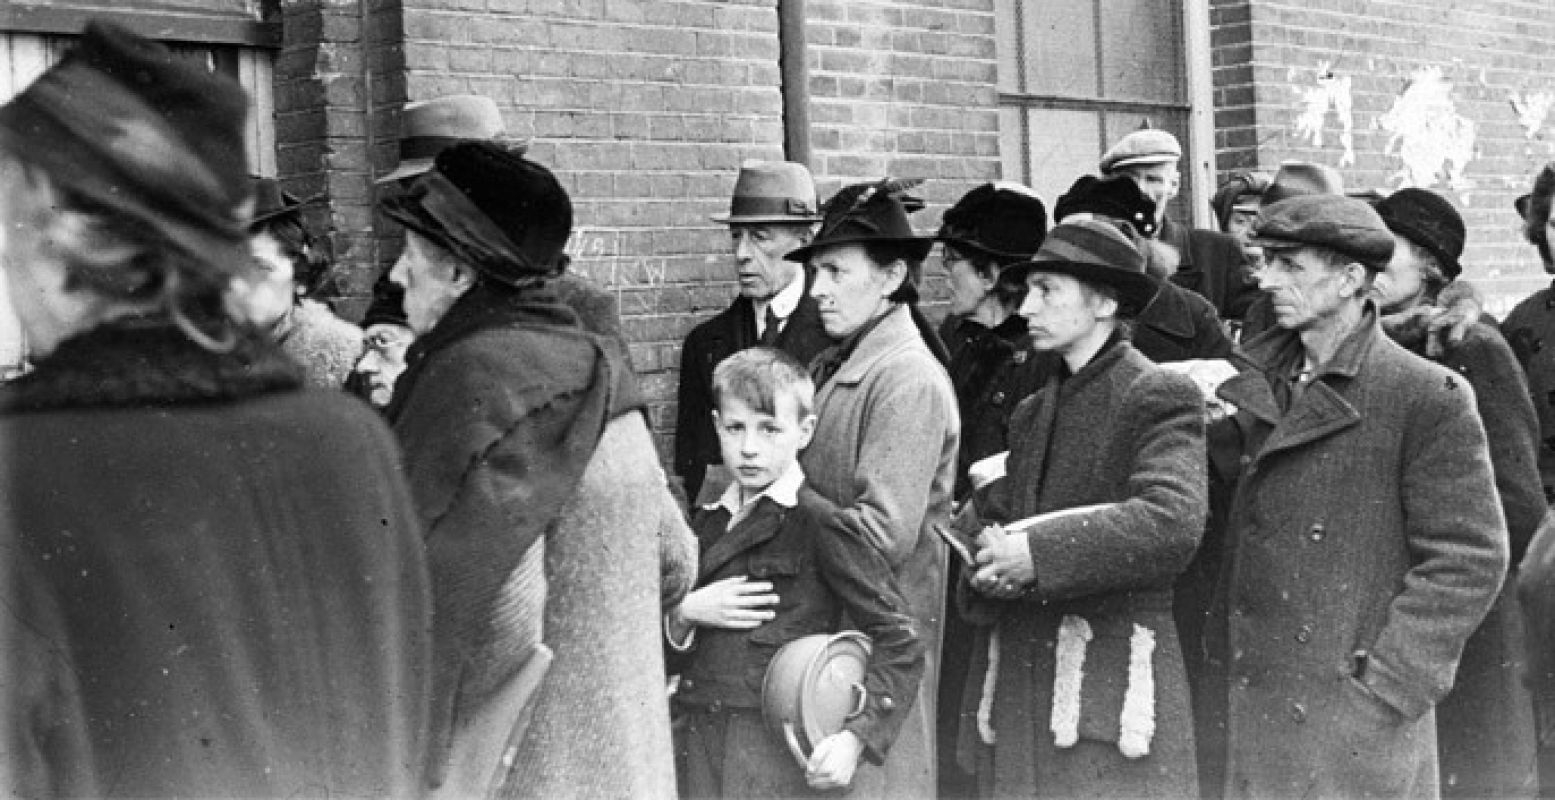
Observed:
{"x":736,"y":603}
{"x":833,"y":761}
{"x":1005,"y":570}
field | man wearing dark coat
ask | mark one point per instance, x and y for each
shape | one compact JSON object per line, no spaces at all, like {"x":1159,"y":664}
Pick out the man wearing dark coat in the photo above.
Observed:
{"x":545,"y":509}
{"x":1212,"y":263}
{"x":773,"y":212}
{"x":1365,"y":542}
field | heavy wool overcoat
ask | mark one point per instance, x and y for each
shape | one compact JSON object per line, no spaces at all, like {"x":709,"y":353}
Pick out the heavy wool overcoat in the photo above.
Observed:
{"x":1485,"y":724}
{"x":1530,"y":330}
{"x":521,"y":427}
{"x":226,"y":591}
{"x":884,"y":450}
{"x":1128,"y":434}
{"x":1366,"y":543}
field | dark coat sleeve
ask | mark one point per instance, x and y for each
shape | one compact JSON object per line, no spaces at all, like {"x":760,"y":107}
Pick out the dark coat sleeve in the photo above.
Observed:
{"x":694,"y":411}
{"x":1146,"y":539}
{"x":1511,"y":427}
{"x":1458,"y":548}
{"x":858,"y":574}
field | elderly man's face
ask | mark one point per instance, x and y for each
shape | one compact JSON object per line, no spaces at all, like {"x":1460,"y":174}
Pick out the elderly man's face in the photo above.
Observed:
{"x":384,"y":359}
{"x":1307,"y":291}
{"x":1159,"y":182}
{"x":759,"y":251}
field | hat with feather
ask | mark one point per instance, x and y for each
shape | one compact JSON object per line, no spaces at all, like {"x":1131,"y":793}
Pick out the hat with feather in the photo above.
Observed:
{"x":870,"y":213}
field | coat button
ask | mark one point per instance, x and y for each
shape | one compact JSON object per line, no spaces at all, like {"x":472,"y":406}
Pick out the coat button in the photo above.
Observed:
{"x":1304,"y":634}
{"x":1020,"y":356}
{"x":686,"y":684}
{"x":1246,"y":459}
{"x":886,"y":703}
{"x":1317,"y":532}
{"x":998,"y":398}
{"x":715,"y":706}
{"x":1298,"y":712}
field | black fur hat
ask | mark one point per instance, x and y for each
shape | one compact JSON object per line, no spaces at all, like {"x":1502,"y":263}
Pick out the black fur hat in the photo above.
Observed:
{"x":1005,"y":221}
{"x":1117,"y":196}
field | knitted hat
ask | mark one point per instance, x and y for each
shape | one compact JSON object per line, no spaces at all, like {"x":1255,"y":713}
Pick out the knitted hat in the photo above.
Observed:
{"x":1096,"y":252}
{"x":1117,"y":196}
{"x":1345,"y":225}
{"x":1005,"y":221}
{"x":126,"y":125}
{"x":1141,"y":148}
{"x":505,"y":216}
{"x":1429,"y":220}
{"x":866,"y":213}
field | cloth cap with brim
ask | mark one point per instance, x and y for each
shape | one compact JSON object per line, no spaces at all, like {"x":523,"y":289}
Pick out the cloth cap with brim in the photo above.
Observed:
{"x":1094,"y":252}
{"x":772,"y":192}
{"x":870,"y":213}
{"x":124,"y":124}
{"x":1003,"y":221}
{"x":1242,"y":192}
{"x":428,"y":127}
{"x":1301,"y":178}
{"x":1142,"y":148}
{"x":1345,"y":225}
{"x":271,"y":202}
{"x":1430,"y":221}
{"x":503,"y":215}
{"x":1117,"y":196}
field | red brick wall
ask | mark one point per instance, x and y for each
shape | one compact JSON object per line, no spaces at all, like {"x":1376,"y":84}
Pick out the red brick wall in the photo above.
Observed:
{"x":1274,"y":57}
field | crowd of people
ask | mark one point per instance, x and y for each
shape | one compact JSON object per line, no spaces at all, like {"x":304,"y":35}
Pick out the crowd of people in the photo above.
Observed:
{"x":1150,"y":511}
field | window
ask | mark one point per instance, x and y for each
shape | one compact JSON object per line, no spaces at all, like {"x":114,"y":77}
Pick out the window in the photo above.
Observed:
{"x":1074,"y":77}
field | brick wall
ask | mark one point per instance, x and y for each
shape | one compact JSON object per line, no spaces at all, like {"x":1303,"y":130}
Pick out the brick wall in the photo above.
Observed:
{"x":1453,"y":96}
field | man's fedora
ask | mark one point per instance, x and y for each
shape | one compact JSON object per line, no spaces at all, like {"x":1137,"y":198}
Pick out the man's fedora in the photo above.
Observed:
{"x":429,"y":126}
{"x":772,"y":191}
{"x":1095,"y":252}
{"x":1297,"y":178}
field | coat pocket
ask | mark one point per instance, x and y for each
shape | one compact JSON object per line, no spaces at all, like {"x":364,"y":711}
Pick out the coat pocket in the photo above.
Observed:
{"x":1104,"y":685}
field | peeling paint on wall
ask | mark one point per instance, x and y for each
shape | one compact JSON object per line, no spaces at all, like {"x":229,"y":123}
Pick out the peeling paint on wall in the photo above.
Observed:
{"x":1433,"y":142}
{"x":1532,"y":109}
{"x":1329,"y":91}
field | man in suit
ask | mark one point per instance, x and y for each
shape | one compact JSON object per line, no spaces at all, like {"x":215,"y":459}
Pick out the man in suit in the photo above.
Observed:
{"x":1212,"y":263}
{"x":773,"y":212}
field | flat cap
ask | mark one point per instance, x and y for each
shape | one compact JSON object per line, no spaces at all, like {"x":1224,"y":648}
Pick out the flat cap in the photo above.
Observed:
{"x":1147,"y":146}
{"x":1345,"y":225}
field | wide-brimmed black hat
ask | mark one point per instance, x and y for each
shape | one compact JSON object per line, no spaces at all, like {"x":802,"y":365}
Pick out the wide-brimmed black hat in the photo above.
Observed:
{"x":869,"y":213}
{"x":1004,"y":221}
{"x":1095,"y":252}
{"x":504,"y":215}
{"x":1429,"y":220}
{"x":126,"y":125}
{"x":1117,"y":196}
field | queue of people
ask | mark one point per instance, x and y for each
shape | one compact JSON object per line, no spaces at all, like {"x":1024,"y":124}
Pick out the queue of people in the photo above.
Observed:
{"x":1152,"y":512}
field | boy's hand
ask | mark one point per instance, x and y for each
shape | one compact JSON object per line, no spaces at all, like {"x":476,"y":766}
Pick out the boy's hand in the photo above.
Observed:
{"x":1005,"y":564}
{"x":833,"y":761}
{"x":736,"y":603}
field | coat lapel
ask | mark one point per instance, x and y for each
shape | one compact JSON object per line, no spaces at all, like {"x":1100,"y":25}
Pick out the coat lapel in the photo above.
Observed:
{"x":1320,"y":413}
{"x":758,"y":528}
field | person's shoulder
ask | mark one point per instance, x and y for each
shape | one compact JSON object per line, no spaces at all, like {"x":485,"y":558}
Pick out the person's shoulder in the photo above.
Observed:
{"x":1414,"y":384}
{"x":1535,"y":305}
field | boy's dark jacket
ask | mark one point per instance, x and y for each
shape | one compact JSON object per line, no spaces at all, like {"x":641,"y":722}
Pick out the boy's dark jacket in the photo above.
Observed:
{"x":820,"y":571}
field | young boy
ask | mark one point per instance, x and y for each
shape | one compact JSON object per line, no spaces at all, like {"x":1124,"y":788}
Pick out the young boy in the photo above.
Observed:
{"x":774,"y":568}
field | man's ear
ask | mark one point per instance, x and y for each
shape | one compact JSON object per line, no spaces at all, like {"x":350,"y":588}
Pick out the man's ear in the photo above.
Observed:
{"x":463,"y":278}
{"x":1360,"y":276}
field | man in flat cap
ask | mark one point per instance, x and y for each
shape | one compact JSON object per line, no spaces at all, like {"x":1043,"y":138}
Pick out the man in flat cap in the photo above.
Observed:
{"x":1212,"y":262}
{"x":772,"y":213}
{"x":1366,"y":539}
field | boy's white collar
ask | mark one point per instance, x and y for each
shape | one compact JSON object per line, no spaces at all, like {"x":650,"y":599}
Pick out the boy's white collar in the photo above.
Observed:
{"x":784,"y":491}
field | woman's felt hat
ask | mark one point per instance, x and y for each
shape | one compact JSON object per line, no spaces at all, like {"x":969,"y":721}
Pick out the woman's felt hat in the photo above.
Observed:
{"x":1095,"y":252}
{"x":1005,"y":221}
{"x":1429,"y":220}
{"x":869,"y":213}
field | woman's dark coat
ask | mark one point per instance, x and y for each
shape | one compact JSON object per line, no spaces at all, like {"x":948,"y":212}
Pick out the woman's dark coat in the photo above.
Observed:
{"x":1530,"y":330}
{"x":223,"y":577}
{"x":1366,"y":543}
{"x":1485,"y":734}
{"x":1122,"y":432}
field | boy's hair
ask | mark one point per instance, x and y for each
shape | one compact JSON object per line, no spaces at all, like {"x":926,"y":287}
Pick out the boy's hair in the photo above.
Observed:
{"x":758,"y":375}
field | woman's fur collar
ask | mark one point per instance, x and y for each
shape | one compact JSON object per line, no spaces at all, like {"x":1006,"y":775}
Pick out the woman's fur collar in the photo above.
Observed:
{"x":148,"y":364}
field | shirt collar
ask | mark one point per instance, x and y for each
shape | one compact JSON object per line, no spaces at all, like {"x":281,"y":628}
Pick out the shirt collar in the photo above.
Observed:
{"x":784,"y":302}
{"x":784,"y":491}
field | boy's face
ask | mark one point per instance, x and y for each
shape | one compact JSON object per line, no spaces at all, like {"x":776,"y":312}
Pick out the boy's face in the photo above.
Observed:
{"x":758,"y":448}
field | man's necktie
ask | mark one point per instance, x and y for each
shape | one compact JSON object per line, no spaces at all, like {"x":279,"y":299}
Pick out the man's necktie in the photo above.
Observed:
{"x":770,"y":330}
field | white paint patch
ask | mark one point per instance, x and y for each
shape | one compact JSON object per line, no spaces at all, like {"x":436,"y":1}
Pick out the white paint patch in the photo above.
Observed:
{"x":1433,"y":142}
{"x":1329,"y":91}
{"x":1532,"y":109}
